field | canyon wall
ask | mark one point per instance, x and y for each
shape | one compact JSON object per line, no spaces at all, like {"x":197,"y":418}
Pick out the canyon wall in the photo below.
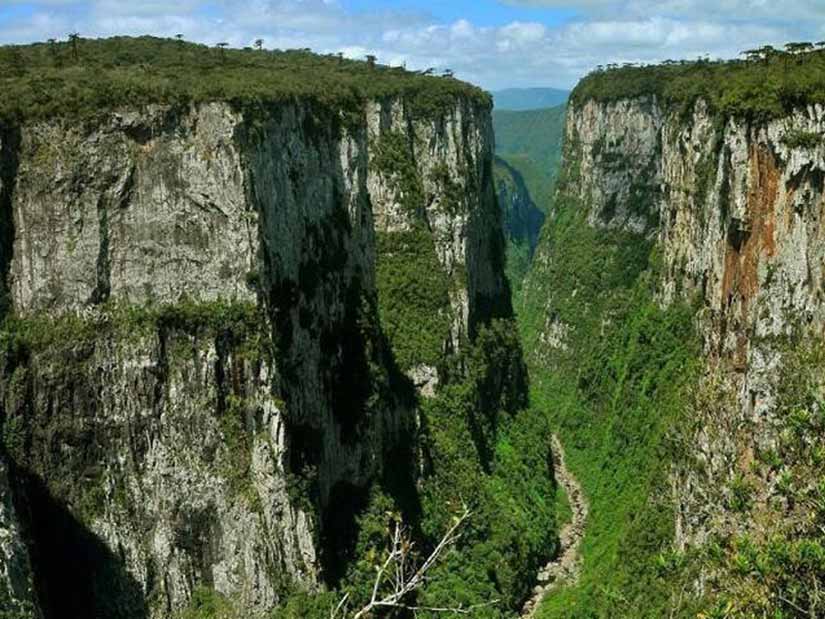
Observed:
{"x":720,"y":215}
{"x":197,"y":374}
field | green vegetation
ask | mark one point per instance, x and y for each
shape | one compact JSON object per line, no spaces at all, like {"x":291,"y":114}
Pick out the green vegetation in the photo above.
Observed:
{"x":413,"y":294}
{"x":531,"y":143}
{"x":528,"y":157}
{"x":766,"y":85}
{"x":521,"y":218}
{"x":413,"y":288}
{"x":803,"y":139}
{"x":85,"y":77}
{"x":43,"y":333}
{"x":481,"y":449}
{"x":563,"y":509}
{"x":483,"y":452}
{"x":614,"y":391}
{"x":776,"y":567}
{"x":207,"y":604}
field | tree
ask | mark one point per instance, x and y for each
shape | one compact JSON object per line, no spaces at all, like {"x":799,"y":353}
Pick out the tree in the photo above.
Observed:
{"x":768,"y":52}
{"x":398,"y":577}
{"x":798,"y":48}
{"x":259,"y":44}
{"x":752,"y":54}
{"x":371,"y":61}
{"x":74,"y":37}
{"x":222,"y":47}
{"x":16,"y":60}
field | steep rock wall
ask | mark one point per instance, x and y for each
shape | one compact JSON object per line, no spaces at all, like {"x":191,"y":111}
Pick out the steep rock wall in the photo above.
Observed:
{"x":733,"y":210}
{"x":197,"y":336}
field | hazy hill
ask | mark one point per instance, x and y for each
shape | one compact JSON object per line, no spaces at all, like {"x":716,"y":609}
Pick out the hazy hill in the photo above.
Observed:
{"x":521,"y":99}
{"x":531,"y":141}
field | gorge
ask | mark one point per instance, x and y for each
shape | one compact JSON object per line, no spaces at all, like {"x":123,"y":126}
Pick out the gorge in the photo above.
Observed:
{"x":252,"y":324}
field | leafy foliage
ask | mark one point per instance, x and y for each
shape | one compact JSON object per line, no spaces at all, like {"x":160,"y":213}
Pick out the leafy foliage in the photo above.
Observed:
{"x":503,"y":474}
{"x":47,"y":79}
{"x":413,"y":288}
{"x":613,"y":388}
{"x":207,"y":604}
{"x":766,"y":86}
{"x":778,"y":568}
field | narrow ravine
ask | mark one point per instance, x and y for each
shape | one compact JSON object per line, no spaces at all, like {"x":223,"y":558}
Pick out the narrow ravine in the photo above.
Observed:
{"x":564,"y":569}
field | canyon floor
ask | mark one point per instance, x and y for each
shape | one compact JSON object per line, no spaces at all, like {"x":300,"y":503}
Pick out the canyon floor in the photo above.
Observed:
{"x":564,"y":568}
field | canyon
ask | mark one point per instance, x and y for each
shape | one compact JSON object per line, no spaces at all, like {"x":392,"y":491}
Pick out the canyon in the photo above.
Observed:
{"x":250,"y":332}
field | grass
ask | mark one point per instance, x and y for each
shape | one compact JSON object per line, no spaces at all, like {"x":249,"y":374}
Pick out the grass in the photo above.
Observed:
{"x":562,"y":508}
{"x":46,"y":80}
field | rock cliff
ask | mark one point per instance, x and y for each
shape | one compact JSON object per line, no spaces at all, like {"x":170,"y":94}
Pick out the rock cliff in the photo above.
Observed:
{"x":711,"y":210}
{"x":197,"y":374}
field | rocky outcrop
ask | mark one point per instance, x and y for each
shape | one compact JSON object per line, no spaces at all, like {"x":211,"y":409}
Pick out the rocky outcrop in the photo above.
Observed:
{"x":197,"y":337}
{"x":734,"y":210}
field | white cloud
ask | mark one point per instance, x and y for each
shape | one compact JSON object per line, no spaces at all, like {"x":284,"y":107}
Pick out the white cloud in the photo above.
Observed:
{"x":732,"y":10}
{"x":520,"y":53}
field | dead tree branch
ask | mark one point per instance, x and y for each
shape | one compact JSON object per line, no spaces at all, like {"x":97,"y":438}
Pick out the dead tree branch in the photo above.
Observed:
{"x":397,"y":577}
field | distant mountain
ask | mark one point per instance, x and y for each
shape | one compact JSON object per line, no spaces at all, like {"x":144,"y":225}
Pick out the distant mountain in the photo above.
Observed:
{"x":528,"y":156}
{"x":522,"y":219}
{"x":531,"y":142}
{"x":520,"y":99}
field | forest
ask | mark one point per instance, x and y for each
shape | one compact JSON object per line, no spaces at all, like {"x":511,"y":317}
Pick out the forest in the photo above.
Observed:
{"x":79,"y":78}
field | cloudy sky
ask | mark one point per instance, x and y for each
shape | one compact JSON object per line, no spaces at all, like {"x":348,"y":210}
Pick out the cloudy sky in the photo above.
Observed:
{"x":495,"y":43}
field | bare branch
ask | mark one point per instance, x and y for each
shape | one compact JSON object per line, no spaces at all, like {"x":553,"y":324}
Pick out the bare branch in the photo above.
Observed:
{"x":398,"y":571}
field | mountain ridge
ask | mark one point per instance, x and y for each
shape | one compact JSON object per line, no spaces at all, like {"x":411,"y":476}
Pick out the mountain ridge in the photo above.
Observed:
{"x":525,"y":99}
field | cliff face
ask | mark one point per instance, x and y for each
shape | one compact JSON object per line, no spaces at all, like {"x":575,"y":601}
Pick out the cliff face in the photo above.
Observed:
{"x":198,"y":371}
{"x":735,"y":209}
{"x":724,"y":215}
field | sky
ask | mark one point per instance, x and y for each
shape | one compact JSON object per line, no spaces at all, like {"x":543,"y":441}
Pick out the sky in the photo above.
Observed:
{"x":494,"y":43}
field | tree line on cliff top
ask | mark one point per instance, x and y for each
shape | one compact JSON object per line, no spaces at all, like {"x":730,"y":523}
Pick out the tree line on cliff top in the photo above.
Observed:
{"x":80,"y":77}
{"x":765,"y":83}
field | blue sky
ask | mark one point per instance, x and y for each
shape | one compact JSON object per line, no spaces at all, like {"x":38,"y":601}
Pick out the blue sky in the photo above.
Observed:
{"x":495,"y":43}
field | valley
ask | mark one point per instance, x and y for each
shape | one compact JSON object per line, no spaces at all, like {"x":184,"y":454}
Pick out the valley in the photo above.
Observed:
{"x":368,"y":346}
{"x":563,"y":570}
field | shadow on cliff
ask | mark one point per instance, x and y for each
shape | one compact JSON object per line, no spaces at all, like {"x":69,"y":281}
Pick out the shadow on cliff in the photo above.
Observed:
{"x":9,"y":162}
{"x":75,"y":573}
